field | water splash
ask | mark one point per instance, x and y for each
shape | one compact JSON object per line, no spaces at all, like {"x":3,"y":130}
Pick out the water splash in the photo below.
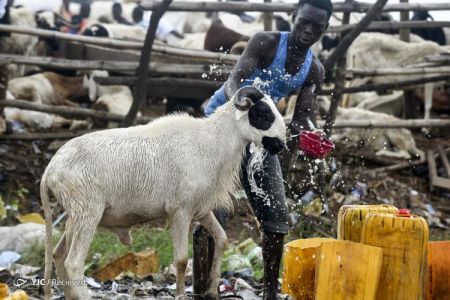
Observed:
{"x":258,"y":154}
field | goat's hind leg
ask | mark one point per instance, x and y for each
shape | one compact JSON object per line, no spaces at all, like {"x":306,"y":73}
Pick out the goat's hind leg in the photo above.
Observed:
{"x":179,"y":227}
{"x":220,"y":239}
{"x":59,"y":256}
{"x":80,"y":233}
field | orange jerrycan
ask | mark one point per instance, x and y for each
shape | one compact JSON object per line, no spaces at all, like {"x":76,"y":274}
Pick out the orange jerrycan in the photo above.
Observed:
{"x":438,"y":279}
{"x":404,"y":240}
{"x":299,"y":267}
{"x":347,"y":271}
{"x":351,"y":218}
{"x":17,"y":295}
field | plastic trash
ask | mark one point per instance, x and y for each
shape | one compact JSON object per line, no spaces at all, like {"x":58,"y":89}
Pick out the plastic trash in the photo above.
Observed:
{"x":308,"y":197}
{"x":92,"y":283}
{"x":237,"y":262}
{"x":7,"y":258}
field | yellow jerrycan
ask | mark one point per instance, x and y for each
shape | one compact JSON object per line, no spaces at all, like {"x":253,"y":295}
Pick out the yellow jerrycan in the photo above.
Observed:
{"x":403,"y":238}
{"x":17,"y":295}
{"x":351,"y":218}
{"x":347,"y":271}
{"x":299,"y":266}
{"x":438,"y":278}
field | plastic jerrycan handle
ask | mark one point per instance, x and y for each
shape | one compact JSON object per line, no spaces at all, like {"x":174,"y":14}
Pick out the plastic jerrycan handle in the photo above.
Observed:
{"x":404,"y":212}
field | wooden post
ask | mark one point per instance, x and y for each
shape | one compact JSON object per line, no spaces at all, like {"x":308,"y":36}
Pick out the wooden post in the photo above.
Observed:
{"x":340,"y":80}
{"x":3,"y":84}
{"x":69,"y":111}
{"x":284,"y":7}
{"x":404,"y":16}
{"x":268,"y":16}
{"x":339,"y":55}
{"x":140,"y":93}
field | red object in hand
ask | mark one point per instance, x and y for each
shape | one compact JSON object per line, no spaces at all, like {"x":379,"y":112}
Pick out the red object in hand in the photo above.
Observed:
{"x":314,"y":144}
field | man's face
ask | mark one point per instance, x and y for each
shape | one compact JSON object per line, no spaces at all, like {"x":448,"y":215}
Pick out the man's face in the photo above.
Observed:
{"x":309,"y":25}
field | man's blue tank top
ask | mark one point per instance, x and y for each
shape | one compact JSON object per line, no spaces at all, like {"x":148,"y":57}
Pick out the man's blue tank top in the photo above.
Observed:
{"x":273,"y":81}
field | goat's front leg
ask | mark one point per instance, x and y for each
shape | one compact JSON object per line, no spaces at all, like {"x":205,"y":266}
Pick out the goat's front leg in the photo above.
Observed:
{"x":220,"y":239}
{"x":179,"y":226}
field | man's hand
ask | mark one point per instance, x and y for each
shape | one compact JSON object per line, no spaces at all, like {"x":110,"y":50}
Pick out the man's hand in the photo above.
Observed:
{"x":292,"y":139}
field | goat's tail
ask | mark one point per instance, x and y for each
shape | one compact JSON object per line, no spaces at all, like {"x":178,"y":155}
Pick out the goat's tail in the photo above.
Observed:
{"x":48,"y":237}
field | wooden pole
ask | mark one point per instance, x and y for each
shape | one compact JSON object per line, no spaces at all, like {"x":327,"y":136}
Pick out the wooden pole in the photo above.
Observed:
{"x":140,"y":92}
{"x":172,"y":50}
{"x":286,"y":7}
{"x":392,"y":25}
{"x":171,"y":82}
{"x":109,"y":65}
{"x":113,"y":43}
{"x":169,"y":86}
{"x":400,"y":85}
{"x":339,"y":55}
{"x":69,"y":111}
{"x":268,"y":18}
{"x":345,"y":43}
{"x":3,"y":81}
{"x":397,"y":71}
{"x":415,"y":123}
{"x":404,"y":16}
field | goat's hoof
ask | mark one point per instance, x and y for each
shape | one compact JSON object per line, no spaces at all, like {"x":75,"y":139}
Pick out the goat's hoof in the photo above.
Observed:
{"x":181,"y":297}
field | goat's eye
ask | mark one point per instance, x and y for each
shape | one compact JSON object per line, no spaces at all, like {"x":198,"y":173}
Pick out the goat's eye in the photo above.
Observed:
{"x":261,"y":116}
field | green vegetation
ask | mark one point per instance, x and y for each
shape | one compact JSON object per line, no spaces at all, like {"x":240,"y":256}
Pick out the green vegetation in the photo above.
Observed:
{"x":109,"y":247}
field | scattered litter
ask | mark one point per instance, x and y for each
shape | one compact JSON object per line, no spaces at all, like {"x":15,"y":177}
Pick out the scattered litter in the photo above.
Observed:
{"x":92,"y":283}
{"x":225,"y":285}
{"x":31,"y":218}
{"x":18,"y":238}
{"x":141,"y":264}
{"x":241,"y":284}
{"x":308,"y":197}
{"x":236,"y":262}
{"x":2,"y":209}
{"x":314,"y":208}
{"x":7,"y":258}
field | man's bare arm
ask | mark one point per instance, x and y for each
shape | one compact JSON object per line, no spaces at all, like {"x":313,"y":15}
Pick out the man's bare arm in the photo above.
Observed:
{"x":258,"y":47}
{"x":303,"y":113}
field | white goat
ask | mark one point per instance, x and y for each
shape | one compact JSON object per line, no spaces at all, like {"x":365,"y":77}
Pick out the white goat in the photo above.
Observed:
{"x":116,"y":99}
{"x":49,"y":88}
{"x":177,"y":167}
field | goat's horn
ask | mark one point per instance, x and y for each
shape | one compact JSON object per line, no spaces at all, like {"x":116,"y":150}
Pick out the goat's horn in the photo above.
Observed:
{"x":243,"y":103}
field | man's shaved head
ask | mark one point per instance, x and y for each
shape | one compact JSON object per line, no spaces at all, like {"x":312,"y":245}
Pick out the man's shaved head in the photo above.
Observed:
{"x":323,"y":4}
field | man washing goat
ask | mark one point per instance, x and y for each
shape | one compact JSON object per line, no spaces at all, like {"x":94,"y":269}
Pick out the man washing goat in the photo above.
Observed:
{"x":279,"y":63}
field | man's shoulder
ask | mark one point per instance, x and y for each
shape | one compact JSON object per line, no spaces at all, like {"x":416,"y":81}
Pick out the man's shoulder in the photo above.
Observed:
{"x":317,"y":65}
{"x":316,"y":71}
{"x":266,"y":38}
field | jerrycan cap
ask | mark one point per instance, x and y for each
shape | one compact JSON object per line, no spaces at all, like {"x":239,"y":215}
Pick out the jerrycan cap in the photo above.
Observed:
{"x":403,"y":212}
